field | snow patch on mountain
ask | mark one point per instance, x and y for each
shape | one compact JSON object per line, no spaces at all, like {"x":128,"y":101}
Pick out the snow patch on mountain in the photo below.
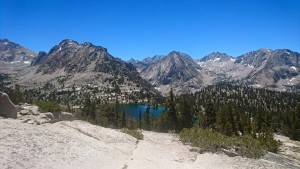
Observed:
{"x":293,"y":67}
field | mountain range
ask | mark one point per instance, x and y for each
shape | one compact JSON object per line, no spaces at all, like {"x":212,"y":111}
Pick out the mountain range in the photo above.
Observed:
{"x":274,"y":69}
{"x":70,"y":63}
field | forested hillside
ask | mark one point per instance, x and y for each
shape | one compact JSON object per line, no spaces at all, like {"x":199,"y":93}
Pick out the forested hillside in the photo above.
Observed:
{"x":245,"y":109}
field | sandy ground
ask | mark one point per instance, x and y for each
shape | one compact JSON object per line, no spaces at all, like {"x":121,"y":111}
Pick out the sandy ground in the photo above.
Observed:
{"x":78,"y":144}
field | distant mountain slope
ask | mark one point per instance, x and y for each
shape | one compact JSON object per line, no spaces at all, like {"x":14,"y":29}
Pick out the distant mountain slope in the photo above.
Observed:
{"x":216,"y":63}
{"x":74,"y":57}
{"x":276,"y":69}
{"x":70,"y":63}
{"x":12,"y":52}
{"x":139,"y":65}
{"x":153,"y":59}
{"x":177,"y":70}
{"x":254,"y":58}
{"x":216,"y":56}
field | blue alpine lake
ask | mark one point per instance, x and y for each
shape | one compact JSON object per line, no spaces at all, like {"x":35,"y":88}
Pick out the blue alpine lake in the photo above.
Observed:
{"x":133,"y":109}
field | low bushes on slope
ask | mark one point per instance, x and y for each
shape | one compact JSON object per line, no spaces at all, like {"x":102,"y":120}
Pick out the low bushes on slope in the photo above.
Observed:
{"x":134,"y":133}
{"x":212,"y":141}
{"x":48,"y":106}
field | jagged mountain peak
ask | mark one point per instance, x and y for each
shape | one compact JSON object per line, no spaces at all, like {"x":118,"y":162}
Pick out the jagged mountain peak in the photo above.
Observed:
{"x":88,"y":44}
{"x":68,"y":48}
{"x":216,"y":56}
{"x":257,"y":52}
{"x":176,"y":69}
{"x":82,"y":64}
{"x":5,"y":43}
{"x":132,"y":60}
{"x":254,"y":58}
{"x":73,"y":43}
{"x":139,"y":65}
{"x":261,"y":50}
{"x":153,"y":59}
{"x":4,"y":40}
{"x":68,"y":42}
{"x":259,"y":57}
{"x":13,"y":52}
{"x":178,"y":54}
{"x":71,"y":56}
{"x":177,"y":57}
{"x":281,"y":51}
{"x":284,"y":57}
{"x":175,"y":53}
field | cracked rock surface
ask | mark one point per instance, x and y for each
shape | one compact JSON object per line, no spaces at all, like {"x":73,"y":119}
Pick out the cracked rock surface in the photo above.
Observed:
{"x":78,"y":144}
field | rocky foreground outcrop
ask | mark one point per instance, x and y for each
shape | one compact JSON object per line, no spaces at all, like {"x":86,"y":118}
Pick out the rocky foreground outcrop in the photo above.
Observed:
{"x":29,"y":113}
{"x":7,"y":108}
{"x":78,"y":144}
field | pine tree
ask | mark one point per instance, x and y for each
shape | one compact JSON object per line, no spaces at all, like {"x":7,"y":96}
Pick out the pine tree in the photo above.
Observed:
{"x":298,"y":113}
{"x":147,"y":117}
{"x":116,"y":122}
{"x":140,"y":119}
{"x":132,"y":123}
{"x":123,"y":118}
{"x":16,"y":95}
{"x":86,"y":106}
{"x":222,"y":118}
{"x":172,"y":116}
{"x":295,"y":131}
{"x":89,"y":108}
{"x":210,"y":115}
{"x":228,"y":129}
{"x":232,"y":121}
{"x":109,"y":112}
{"x":184,"y":108}
{"x":93,"y":112}
{"x":163,"y":122}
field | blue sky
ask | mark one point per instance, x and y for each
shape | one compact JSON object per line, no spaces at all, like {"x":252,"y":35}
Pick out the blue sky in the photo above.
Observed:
{"x":142,"y":28}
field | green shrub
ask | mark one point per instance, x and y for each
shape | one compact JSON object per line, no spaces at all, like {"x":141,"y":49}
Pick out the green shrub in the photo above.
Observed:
{"x":212,"y":141}
{"x":266,"y":138}
{"x":249,"y":147}
{"x":47,"y":106}
{"x":134,"y":133}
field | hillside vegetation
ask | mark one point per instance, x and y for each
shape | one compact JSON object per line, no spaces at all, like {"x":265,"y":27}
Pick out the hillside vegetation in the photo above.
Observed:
{"x":217,"y":117}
